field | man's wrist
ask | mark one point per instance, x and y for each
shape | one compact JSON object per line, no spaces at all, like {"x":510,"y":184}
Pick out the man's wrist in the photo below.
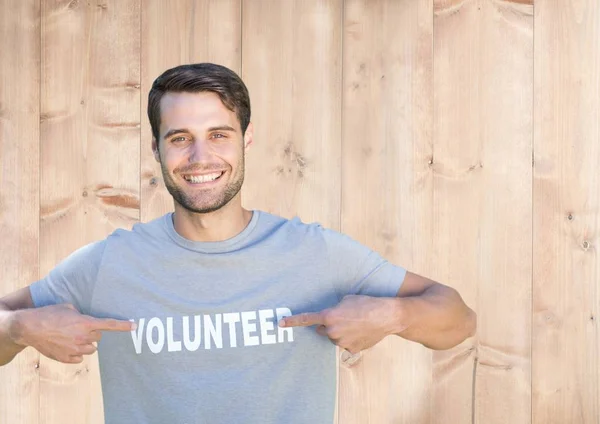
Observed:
{"x":16,"y":328}
{"x":399,"y":308}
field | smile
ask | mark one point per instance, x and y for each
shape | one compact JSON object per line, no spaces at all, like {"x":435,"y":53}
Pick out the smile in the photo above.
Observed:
{"x":201,"y":179}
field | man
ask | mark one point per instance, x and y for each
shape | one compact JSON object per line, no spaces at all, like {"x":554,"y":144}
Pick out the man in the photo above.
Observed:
{"x":214,"y":313}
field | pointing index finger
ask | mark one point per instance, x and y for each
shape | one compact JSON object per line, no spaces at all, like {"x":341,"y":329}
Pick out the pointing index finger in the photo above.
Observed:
{"x":109,"y":324}
{"x":302,"y":320}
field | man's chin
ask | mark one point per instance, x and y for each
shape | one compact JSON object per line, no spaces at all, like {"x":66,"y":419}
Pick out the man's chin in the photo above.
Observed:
{"x":196,"y":202}
{"x":205,"y":205}
{"x":201,"y":208}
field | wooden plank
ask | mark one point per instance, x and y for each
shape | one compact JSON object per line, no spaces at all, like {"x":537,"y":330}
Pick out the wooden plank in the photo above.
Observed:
{"x":90,"y":123}
{"x":482,"y":203}
{"x":566,"y":283}
{"x":174,"y":33}
{"x":387,"y":187}
{"x":19,"y":194}
{"x":292,"y":67}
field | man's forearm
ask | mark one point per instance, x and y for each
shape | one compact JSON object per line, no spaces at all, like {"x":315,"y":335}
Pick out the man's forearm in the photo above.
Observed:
{"x":438,"y":318}
{"x":8,"y":348}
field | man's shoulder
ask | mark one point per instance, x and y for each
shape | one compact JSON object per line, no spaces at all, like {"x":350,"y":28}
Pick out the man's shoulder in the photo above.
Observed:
{"x":295,"y":228}
{"x":152,"y":229}
{"x":293,"y":223}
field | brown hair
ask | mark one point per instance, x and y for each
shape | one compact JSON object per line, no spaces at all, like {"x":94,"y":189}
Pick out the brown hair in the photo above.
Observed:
{"x":195,"y":78}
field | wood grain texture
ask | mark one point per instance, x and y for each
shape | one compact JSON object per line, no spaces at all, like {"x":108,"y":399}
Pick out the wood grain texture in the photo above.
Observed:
{"x":292,"y":67}
{"x":19,"y":189}
{"x":566,"y":283}
{"x":409,"y":125}
{"x":89,"y":154}
{"x":387,"y":188}
{"x":175,"y":33}
{"x":481,"y":164}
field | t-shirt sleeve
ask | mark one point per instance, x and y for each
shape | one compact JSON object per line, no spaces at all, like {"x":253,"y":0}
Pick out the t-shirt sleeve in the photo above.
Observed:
{"x":356,"y":269}
{"x":72,"y":280}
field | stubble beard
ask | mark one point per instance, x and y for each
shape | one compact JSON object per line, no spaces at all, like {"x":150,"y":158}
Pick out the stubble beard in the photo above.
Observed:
{"x":204,"y":201}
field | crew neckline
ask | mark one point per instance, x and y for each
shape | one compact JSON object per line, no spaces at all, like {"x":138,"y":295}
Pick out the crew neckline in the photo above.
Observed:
{"x":211,"y":246}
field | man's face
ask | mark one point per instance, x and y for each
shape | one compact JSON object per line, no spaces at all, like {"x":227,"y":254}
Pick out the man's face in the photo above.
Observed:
{"x":201,"y":150}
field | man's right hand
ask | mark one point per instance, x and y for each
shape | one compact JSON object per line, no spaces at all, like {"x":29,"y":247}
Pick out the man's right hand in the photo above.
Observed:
{"x":60,"y":332}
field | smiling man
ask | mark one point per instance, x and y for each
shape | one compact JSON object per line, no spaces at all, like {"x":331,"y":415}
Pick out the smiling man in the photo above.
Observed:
{"x":215,"y":313}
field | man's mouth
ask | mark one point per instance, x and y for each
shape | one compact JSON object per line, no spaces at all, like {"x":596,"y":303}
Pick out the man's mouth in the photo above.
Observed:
{"x":205,"y":178}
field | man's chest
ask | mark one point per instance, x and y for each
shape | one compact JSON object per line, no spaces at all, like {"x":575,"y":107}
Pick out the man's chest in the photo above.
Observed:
{"x":213,"y":312}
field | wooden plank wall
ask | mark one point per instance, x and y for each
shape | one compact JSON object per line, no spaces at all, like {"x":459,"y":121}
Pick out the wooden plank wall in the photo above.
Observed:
{"x":458,"y":138}
{"x":566,"y":202}
{"x":482,"y":168}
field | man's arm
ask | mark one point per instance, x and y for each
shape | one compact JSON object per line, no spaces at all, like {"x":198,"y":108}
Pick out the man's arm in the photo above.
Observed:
{"x":431,"y":313}
{"x":59,"y":332}
{"x":423,"y":311}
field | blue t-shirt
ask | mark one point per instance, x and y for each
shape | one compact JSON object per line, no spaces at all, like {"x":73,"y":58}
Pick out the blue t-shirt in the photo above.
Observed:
{"x":207,"y":348}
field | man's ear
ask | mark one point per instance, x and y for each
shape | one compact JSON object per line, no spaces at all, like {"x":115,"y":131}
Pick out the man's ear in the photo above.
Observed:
{"x":248,"y":136}
{"x":155,"y":150}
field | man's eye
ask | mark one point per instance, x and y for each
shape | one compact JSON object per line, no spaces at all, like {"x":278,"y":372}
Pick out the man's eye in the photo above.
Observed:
{"x":218,"y":135}
{"x":178,"y":139}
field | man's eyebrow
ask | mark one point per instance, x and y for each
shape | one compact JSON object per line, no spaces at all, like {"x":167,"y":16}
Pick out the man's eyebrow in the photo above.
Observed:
{"x":175,"y":131}
{"x":185,"y":130}
{"x":221,"y":128}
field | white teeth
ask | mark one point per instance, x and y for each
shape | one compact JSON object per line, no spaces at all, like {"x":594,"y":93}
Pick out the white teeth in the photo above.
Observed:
{"x":202,"y":178}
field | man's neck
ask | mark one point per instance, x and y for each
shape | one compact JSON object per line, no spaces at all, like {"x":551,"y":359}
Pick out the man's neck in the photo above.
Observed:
{"x":219,"y":225}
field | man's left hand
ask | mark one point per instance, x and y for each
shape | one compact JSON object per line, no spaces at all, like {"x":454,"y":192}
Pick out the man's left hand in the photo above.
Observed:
{"x":355,"y":324}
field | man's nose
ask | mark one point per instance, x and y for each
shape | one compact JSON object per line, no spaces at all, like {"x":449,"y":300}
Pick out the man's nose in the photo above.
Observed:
{"x":201,"y":151}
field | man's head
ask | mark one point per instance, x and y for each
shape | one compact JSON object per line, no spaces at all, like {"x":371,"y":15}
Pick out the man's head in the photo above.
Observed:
{"x":200,"y":118}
